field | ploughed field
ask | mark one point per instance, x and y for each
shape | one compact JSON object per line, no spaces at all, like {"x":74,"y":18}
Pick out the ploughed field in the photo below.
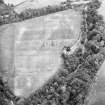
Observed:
{"x":31,"y":50}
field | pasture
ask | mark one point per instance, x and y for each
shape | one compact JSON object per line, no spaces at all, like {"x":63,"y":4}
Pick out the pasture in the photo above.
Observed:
{"x":34,"y":48}
{"x":38,"y":46}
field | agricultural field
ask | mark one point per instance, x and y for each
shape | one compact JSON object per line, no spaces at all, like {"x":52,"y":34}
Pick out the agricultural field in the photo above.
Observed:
{"x":36,"y":49}
{"x":97,"y":94}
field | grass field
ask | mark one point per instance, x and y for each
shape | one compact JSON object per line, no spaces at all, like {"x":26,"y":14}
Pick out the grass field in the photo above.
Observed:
{"x":37,"y":44}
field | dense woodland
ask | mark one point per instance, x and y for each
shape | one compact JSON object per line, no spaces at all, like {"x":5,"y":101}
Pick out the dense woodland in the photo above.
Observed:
{"x":72,"y":84}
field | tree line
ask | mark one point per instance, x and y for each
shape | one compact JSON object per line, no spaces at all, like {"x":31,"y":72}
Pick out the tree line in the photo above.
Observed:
{"x":12,"y":16}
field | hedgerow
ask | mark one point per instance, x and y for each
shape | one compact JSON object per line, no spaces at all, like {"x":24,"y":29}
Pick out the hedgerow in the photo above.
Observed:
{"x":12,"y":16}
